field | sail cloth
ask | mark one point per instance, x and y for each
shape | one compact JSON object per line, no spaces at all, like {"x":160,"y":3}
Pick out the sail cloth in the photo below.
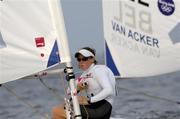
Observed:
{"x":143,"y":37}
{"x":28,"y":41}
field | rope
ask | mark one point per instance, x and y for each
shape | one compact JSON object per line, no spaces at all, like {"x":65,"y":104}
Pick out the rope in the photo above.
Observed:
{"x":55,"y":94}
{"x":81,"y":94}
{"x":152,"y":96}
{"x":52,"y":90}
{"x":45,"y":116}
{"x":86,"y":111}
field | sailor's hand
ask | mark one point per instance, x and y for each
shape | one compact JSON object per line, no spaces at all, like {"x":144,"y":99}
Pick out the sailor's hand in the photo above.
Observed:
{"x":83,"y":100}
{"x":82,"y":85}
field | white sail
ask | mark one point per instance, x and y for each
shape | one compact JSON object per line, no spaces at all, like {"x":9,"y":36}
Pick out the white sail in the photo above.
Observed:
{"x":28,"y":40}
{"x":143,"y":37}
{"x":33,"y":38}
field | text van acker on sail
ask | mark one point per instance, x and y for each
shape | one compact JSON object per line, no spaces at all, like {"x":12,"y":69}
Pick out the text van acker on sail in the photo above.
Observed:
{"x":135,"y":24}
{"x":139,"y":37}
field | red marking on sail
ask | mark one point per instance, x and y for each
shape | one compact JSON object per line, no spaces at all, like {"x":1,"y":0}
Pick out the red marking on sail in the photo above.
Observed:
{"x":40,"y":42}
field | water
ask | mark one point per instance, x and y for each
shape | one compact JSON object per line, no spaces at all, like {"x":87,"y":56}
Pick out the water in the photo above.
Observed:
{"x":141,"y":101}
{"x":149,"y":98}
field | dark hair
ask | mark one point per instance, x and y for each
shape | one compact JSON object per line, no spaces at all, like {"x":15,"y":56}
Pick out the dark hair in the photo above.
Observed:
{"x":93,"y":51}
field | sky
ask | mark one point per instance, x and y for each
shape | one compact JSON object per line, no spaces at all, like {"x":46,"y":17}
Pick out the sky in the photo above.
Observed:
{"x":84,"y":25}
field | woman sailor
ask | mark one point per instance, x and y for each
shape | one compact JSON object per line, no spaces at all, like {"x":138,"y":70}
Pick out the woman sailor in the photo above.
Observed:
{"x":99,"y":83}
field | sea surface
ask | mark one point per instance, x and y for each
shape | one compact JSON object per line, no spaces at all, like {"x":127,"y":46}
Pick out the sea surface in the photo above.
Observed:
{"x":140,"y":98}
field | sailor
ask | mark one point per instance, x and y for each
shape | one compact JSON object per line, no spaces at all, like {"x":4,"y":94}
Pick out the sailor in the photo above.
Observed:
{"x":99,"y":83}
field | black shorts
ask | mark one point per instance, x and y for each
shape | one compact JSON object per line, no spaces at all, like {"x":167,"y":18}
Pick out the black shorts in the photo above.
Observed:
{"x":98,"y":110}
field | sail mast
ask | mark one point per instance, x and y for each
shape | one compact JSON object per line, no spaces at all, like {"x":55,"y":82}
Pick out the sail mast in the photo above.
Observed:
{"x":59,"y":25}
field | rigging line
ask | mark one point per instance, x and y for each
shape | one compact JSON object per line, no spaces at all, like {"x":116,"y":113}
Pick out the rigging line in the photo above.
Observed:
{"x":45,"y":116}
{"x":52,"y":90}
{"x":152,"y":96}
{"x":84,"y":105}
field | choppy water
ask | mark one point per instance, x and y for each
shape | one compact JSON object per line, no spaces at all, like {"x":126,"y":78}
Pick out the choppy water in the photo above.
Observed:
{"x":140,"y":101}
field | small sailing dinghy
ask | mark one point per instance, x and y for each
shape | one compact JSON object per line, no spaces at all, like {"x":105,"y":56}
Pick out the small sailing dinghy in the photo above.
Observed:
{"x":32,"y":39}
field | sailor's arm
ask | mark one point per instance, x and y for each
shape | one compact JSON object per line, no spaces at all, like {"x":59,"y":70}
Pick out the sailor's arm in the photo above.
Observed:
{"x":107,"y":89}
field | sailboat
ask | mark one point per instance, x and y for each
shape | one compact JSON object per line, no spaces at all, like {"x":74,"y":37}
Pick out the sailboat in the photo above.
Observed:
{"x":141,"y":37}
{"x":32,"y":39}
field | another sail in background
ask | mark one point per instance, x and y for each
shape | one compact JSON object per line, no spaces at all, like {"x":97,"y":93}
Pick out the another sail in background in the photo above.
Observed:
{"x":28,"y":41}
{"x":143,"y":37}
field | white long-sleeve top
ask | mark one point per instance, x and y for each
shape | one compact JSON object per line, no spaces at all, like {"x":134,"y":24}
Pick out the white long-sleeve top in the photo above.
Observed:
{"x":101,"y":83}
